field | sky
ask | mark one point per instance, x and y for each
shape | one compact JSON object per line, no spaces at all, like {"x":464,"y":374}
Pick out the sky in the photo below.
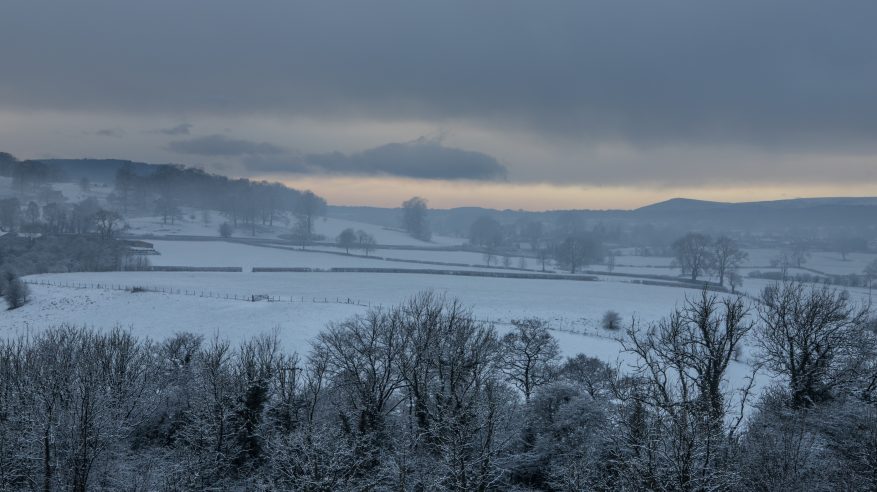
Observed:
{"x":499,"y":103}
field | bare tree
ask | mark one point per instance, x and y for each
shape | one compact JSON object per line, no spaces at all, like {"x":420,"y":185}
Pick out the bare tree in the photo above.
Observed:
{"x":32,"y":213}
{"x":414,"y":218}
{"x":347,"y":239}
{"x":783,"y":262}
{"x":10,"y":212}
{"x":577,"y":251}
{"x":693,"y":254}
{"x":798,"y":252}
{"x":611,"y":320}
{"x":683,"y":361}
{"x":735,"y":280}
{"x":530,"y":355}
{"x":814,"y":337}
{"x":544,"y":255}
{"x":167,"y":208}
{"x":727,"y":256}
{"x":870,"y":273}
{"x":365,"y":241}
{"x":106,"y":223}
{"x":307,"y":209}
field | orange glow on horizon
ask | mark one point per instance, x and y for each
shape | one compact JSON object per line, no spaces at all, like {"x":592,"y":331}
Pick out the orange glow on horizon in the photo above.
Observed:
{"x":391,"y":192}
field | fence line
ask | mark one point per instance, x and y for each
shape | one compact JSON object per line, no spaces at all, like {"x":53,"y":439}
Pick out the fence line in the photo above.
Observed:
{"x":563,"y":326}
{"x":202,"y":293}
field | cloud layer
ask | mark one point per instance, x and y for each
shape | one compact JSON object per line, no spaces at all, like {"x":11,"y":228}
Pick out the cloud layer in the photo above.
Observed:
{"x":789,"y":72}
{"x":423,"y":159}
{"x":222,"y":146}
{"x":602,"y":92}
{"x":420,"y":159}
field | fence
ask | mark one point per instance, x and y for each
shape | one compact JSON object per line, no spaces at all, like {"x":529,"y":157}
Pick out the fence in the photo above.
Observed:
{"x":201,"y":293}
{"x":559,"y":325}
{"x":167,"y":268}
{"x":426,"y":271}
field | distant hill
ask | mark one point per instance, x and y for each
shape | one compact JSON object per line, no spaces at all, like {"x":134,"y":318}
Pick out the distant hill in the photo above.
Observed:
{"x":827,"y":212}
{"x":679,"y":213}
{"x":676,"y":205}
{"x":98,"y":170}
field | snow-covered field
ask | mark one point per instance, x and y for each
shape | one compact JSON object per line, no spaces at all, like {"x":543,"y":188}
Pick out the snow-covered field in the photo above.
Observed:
{"x":574,"y":309}
{"x":569,"y":304}
{"x":224,"y":254}
{"x":828,"y":262}
{"x":332,"y":227}
{"x":192,"y":223}
{"x":310,"y":301}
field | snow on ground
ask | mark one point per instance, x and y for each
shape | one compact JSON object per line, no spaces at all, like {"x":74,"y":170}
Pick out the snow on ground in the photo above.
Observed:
{"x":192,"y":224}
{"x":568,"y":305}
{"x":332,"y":227}
{"x":224,"y":254}
{"x":464,"y":257}
{"x":828,"y":262}
{"x":574,"y":309}
{"x":831,"y":262}
{"x":158,"y":315}
{"x":74,"y":193}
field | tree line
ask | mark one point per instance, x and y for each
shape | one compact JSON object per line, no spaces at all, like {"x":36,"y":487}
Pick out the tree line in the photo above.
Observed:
{"x":424,"y":397}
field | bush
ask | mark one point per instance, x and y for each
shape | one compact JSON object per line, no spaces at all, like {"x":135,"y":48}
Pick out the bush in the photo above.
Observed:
{"x":225,"y":229}
{"x":15,"y":291}
{"x":611,"y":320}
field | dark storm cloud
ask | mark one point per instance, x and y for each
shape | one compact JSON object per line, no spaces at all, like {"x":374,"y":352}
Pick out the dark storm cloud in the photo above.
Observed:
{"x":421,"y":159}
{"x":783,"y":72}
{"x":221,"y":146}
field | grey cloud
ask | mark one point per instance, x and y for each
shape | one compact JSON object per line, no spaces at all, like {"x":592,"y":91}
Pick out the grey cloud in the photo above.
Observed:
{"x":110,"y":132}
{"x":421,"y":159}
{"x":181,"y":129}
{"x":221,"y":146}
{"x":790,"y":73}
{"x":290,"y":162}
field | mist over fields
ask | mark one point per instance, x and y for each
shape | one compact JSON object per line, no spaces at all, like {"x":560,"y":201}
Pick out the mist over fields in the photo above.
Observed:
{"x":389,"y":245}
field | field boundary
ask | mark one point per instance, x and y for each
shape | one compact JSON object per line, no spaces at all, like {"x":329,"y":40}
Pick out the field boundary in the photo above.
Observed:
{"x":112,"y":286}
{"x":173,"y":268}
{"x":426,"y":271}
{"x":562,"y":326}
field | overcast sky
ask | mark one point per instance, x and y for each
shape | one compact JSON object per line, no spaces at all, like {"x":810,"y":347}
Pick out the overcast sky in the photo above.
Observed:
{"x":560,"y":104}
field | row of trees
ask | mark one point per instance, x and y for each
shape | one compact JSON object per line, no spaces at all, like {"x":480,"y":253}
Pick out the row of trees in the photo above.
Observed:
{"x":570,"y":252}
{"x":359,"y":239}
{"x":60,"y":254}
{"x":84,"y":217}
{"x":241,"y":199}
{"x":243,"y":202}
{"x":423,"y":396}
{"x":698,"y":255}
